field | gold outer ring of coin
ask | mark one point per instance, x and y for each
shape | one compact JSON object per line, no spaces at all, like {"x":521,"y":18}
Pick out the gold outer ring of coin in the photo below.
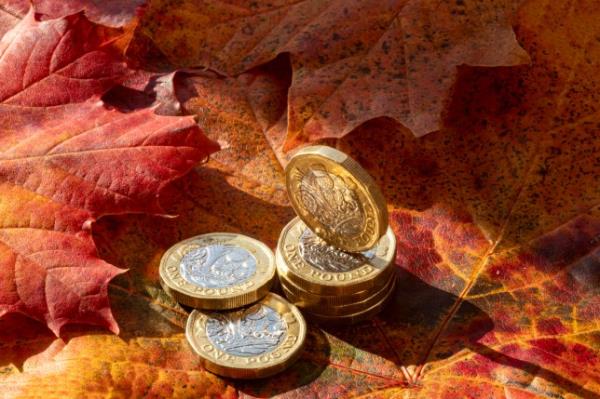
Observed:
{"x":234,"y":296}
{"x":354,"y":318}
{"x":266,"y":364}
{"x":356,"y":181}
{"x":300,"y":300}
{"x":330,"y":300}
{"x":293,"y":267}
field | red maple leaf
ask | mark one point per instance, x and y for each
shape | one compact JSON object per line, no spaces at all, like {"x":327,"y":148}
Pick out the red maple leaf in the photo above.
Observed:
{"x":64,"y":163}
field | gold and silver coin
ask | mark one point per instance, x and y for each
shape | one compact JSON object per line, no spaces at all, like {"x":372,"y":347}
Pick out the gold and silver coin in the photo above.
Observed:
{"x":328,"y":300}
{"x":319,"y":268}
{"x":253,"y":342}
{"x":355,"y":317}
{"x":217,"y":271}
{"x":335,"y":261}
{"x":336,"y":198}
{"x":318,"y":304}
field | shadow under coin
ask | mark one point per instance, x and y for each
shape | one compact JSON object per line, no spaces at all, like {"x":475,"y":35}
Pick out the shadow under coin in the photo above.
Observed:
{"x":403,"y":330}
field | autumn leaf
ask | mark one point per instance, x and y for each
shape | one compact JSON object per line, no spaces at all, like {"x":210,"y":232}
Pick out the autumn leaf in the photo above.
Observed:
{"x":57,"y":62}
{"x":113,"y":13}
{"x":11,"y":12}
{"x":62,"y":167}
{"x":60,"y":172}
{"x":352,"y":60}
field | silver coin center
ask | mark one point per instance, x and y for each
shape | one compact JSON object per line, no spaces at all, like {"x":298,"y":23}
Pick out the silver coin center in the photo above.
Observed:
{"x":327,"y":258}
{"x":217,"y":266}
{"x":249,"y":332}
{"x":332,"y":201}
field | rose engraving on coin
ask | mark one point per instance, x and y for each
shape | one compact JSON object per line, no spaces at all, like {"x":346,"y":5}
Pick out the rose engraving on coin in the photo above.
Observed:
{"x":250,"y":332}
{"x":332,"y":200}
{"x":327,"y":258}
{"x":217,"y":266}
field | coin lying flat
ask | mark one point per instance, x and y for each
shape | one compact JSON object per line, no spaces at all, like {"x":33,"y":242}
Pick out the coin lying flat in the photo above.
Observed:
{"x":336,"y":198}
{"x":353,"y":318}
{"x":329,"y":300}
{"x":322,"y":269}
{"x":314,"y":303}
{"x":253,"y":342}
{"x":217,"y":271}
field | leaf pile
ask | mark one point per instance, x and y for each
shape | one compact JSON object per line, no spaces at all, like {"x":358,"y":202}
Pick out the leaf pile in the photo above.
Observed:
{"x":496,"y":212}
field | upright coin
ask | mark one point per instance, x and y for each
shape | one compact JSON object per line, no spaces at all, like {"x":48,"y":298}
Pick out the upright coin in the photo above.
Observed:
{"x":319,"y":268}
{"x":336,"y":198}
{"x":217,"y":271}
{"x":253,"y":342}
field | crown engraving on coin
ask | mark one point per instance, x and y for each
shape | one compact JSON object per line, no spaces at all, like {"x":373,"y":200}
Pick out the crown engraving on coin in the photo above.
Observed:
{"x":250,"y":332}
{"x":336,"y":198}
{"x":252,"y":342}
{"x":217,"y":271}
{"x":332,"y":200}
{"x":327,"y":258}
{"x":217,"y":266}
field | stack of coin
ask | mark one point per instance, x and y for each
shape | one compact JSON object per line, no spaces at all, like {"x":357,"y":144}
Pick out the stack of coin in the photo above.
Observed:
{"x":335,"y":261}
{"x":238,"y":328}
